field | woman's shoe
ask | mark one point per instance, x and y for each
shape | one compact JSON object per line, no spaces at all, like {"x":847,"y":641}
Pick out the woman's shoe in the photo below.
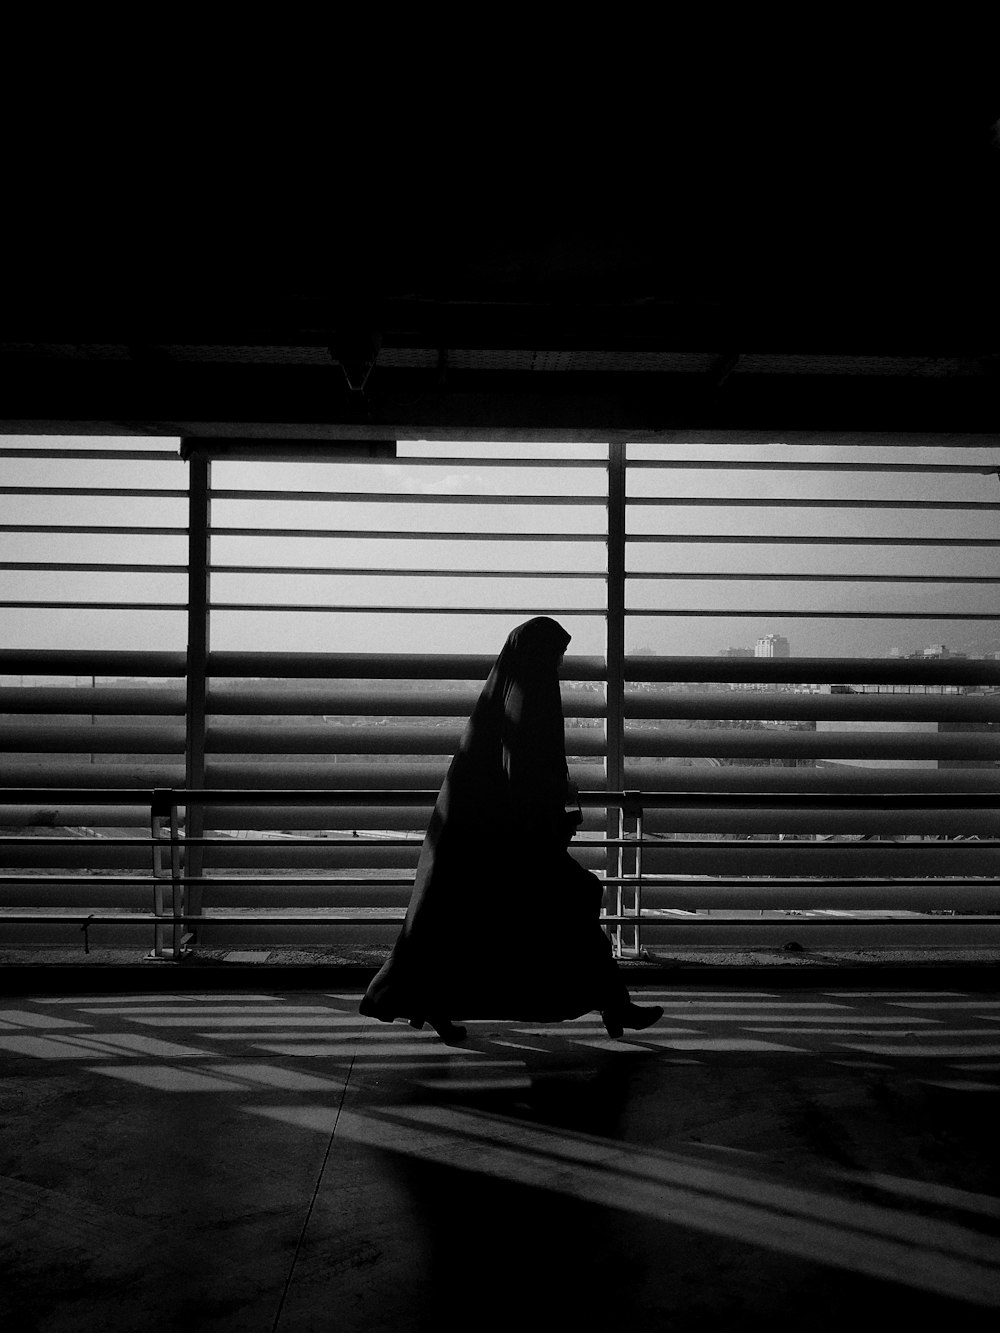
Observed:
{"x":634,"y":1016}
{"x":448,"y":1032}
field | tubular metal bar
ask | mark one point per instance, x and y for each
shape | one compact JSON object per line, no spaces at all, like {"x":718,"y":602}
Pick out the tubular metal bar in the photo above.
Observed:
{"x":771,"y":844}
{"x":734,"y":465}
{"x":434,"y":460}
{"x":198,"y":638}
{"x":685,"y":881}
{"x":98,"y":606}
{"x":128,"y":492}
{"x":614,"y":728}
{"x":90,"y":527}
{"x":162,"y":797}
{"x":86,"y":662}
{"x":219,"y":881}
{"x":597,"y":575}
{"x":105,"y":700}
{"x":747,"y":576}
{"x":382,"y":609}
{"x":756,"y":705}
{"x":828,"y":670}
{"x":375,"y":497}
{"x":717,"y":502}
{"x":116,"y":454}
{"x":764,"y":539}
{"x":342,"y":534}
{"x":791,"y":615}
{"x":373,"y":666}
{"x":77,"y":568}
{"x":384,"y":915}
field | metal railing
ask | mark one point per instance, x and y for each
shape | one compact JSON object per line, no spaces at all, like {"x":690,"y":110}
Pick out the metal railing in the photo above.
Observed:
{"x":643,"y":898}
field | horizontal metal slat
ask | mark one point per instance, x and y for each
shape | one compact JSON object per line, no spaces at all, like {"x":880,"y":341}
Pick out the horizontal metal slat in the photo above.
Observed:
{"x":103,"y":700}
{"x":915,"y":896}
{"x":379,"y":666}
{"x":808,"y":614}
{"x":871,"y":820}
{"x":785,"y":705}
{"x":51,"y":738}
{"x":107,"y":529}
{"x":754,"y":576}
{"x":835,"y":932}
{"x":380,"y":534}
{"x":507,"y":463}
{"x":765,"y":539}
{"x":771,"y":465}
{"x":813,"y":670}
{"x":96,"y":853}
{"x":404,"y":497}
{"x":413,"y":819}
{"x":826,"y":860}
{"x":740,"y":817}
{"x":389,"y":572}
{"x":61,"y":774}
{"x":96,"y":606}
{"x":387,"y":739}
{"x":76,"y":567}
{"x":640,"y":703}
{"x":802,"y":502}
{"x":774,"y":743}
{"x":334,"y":701}
{"x":59,"y":814}
{"x":303,"y":776}
{"x":128,"y":492}
{"x":827,"y":777}
{"x":378,"y":609}
{"x":115,"y":455}
{"x":90,"y":662}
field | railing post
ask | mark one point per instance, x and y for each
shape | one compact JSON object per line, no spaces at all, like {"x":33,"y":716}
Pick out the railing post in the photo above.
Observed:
{"x":615,"y":659}
{"x":163,"y":810}
{"x":198,"y":636}
{"x":630,"y":869}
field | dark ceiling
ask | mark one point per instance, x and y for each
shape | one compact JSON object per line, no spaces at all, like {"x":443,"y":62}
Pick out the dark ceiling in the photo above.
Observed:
{"x":790,"y":279}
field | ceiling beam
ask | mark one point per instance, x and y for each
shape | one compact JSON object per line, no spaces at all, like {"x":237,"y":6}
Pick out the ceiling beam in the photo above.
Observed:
{"x":182,"y":399}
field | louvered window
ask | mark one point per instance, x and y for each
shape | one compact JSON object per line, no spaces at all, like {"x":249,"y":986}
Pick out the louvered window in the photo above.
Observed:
{"x":783,"y":681}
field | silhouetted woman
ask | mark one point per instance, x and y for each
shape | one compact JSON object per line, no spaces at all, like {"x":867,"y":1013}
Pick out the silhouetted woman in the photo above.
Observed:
{"x":495,"y":875}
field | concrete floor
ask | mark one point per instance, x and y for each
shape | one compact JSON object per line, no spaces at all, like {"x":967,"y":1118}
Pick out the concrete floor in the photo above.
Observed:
{"x":782,"y":1158}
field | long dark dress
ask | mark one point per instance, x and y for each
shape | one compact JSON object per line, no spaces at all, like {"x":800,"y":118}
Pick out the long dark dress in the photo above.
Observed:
{"x":503,"y":922}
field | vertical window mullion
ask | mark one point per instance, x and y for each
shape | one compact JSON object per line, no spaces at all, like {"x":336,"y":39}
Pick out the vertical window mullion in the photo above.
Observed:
{"x":615,"y":650}
{"x":198,"y":640}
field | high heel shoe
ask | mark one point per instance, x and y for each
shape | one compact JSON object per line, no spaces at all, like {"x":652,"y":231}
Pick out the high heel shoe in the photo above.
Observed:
{"x":634,"y":1016}
{"x":449,"y":1032}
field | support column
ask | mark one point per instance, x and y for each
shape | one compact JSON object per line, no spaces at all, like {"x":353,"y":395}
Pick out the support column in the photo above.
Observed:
{"x":615,"y":661}
{"x":198,"y":627}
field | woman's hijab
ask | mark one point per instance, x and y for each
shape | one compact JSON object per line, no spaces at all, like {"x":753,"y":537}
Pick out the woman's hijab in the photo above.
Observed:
{"x":510,"y":768}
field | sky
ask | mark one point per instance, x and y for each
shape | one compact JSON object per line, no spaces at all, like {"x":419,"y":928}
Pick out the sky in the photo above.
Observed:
{"x":490,"y":575}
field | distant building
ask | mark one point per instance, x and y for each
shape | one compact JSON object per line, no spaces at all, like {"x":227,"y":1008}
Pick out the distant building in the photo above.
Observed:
{"x":936,"y":650}
{"x":736,"y":652}
{"x":771,"y":645}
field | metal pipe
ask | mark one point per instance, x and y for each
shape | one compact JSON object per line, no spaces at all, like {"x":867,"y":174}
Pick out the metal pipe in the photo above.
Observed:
{"x":363,"y":534}
{"x":744,"y":502}
{"x":368,"y":497}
